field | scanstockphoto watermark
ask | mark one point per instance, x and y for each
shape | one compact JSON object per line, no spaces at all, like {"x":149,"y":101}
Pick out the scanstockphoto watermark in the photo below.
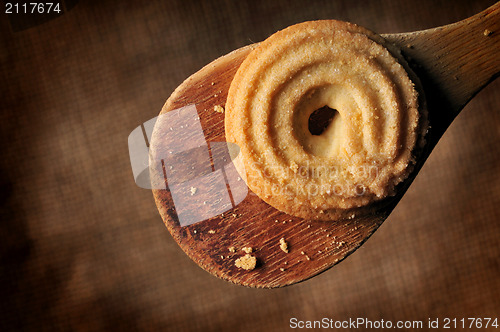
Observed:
{"x":368,"y":324}
{"x":311,"y":172}
{"x":312,"y":180}
{"x":199,"y":174}
{"x":356,"y":323}
{"x":207,"y":178}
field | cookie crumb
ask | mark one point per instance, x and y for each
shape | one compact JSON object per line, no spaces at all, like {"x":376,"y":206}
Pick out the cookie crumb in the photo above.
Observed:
{"x":232,"y":249}
{"x":247,"y":249}
{"x":211,"y":231}
{"x":487,"y":32}
{"x":246,"y":262}
{"x":283,"y":245}
{"x":282,"y":269}
{"x":193,"y":190}
{"x":218,"y":109}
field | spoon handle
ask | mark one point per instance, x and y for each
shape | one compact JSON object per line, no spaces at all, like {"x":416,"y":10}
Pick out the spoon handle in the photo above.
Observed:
{"x":454,"y":61}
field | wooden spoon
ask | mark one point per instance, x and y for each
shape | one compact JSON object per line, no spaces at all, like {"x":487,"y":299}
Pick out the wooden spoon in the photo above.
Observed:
{"x":453,"y":63}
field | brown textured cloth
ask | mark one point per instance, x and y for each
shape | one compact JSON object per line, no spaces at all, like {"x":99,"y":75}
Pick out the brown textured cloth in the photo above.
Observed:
{"x":82,"y":248}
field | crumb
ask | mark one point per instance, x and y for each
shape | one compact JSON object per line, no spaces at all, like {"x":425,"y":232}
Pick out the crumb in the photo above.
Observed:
{"x":213,"y":83}
{"x":282,"y":269}
{"x":294,"y":167}
{"x":307,"y":257}
{"x":195,"y":231}
{"x":235,"y":215}
{"x":283,"y":245}
{"x":327,"y":235}
{"x":239,"y":179}
{"x":247,"y":249}
{"x":211,"y":231}
{"x":276,"y":220}
{"x":231,"y":249}
{"x":487,"y":32}
{"x":246,"y":262}
{"x":284,"y":221}
{"x":302,"y":253}
{"x":222,"y":256}
{"x":193,"y":190}
{"x":409,"y":46}
{"x":218,"y":108}
{"x":204,"y":202}
{"x":308,"y":226}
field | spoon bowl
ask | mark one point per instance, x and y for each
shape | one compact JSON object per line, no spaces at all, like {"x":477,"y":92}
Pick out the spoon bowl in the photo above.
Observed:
{"x":453,"y":63}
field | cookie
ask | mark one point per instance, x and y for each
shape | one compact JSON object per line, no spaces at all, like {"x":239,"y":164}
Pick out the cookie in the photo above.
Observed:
{"x":326,"y":118}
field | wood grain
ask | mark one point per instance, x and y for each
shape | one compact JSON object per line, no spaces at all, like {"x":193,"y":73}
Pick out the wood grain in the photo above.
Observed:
{"x":453,"y":62}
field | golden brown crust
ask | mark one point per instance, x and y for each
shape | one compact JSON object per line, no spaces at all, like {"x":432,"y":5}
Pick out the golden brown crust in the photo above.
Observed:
{"x":364,"y":152}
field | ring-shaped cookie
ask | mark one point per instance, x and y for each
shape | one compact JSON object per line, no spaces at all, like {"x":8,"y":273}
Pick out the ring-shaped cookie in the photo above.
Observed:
{"x":365,"y":151}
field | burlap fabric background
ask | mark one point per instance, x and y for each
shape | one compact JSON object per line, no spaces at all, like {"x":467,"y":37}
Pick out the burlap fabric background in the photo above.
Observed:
{"x":82,"y":248}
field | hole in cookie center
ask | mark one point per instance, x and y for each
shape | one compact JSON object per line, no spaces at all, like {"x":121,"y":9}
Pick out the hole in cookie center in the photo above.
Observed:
{"x":320,"y":119}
